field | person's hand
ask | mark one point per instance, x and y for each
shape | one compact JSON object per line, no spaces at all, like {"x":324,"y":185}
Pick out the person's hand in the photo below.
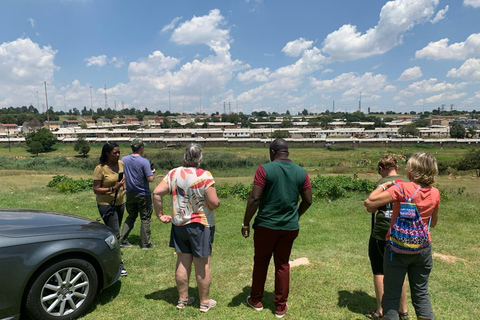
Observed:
{"x":246,"y":231}
{"x":118,"y":184}
{"x":153,"y":170}
{"x":165,"y":219}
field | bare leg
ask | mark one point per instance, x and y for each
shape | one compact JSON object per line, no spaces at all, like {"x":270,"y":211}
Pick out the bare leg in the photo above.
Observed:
{"x":403,"y":298}
{"x":182,"y":274}
{"x":378,"y":283}
{"x":204,"y":277}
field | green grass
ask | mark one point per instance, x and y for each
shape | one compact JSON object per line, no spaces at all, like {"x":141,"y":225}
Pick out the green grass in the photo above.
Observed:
{"x":333,"y":236}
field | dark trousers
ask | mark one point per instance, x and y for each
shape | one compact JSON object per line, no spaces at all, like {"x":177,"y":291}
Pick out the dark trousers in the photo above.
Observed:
{"x":279,"y":243}
{"x":418,"y":267}
{"x":112,"y":217}
{"x":138,"y":204}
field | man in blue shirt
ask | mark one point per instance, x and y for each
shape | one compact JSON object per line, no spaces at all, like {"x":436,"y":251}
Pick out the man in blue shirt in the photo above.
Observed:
{"x":138,"y":175}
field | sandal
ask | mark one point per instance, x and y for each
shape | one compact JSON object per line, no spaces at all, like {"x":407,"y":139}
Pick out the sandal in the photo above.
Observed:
{"x":374,"y":315}
{"x":182,"y":304}
{"x":403,"y":316}
{"x":204,"y":307}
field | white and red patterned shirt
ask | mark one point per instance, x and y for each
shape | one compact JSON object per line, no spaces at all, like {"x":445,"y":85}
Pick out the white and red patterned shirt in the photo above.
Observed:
{"x":187,"y":187}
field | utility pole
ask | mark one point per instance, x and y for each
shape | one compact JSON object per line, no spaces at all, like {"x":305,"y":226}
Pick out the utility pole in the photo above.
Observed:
{"x":360,"y":102}
{"x":106,"y":103}
{"x":229,"y":108}
{"x":38,"y":103}
{"x":65,"y":103}
{"x":223,"y":107}
{"x":333,"y":109}
{"x":91,"y":100}
{"x":46,"y":102}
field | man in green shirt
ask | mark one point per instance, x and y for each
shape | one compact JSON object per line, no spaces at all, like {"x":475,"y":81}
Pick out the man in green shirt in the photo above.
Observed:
{"x":276,"y":189}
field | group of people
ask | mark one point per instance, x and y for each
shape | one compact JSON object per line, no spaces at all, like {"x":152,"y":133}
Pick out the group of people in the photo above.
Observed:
{"x":274,"y":201}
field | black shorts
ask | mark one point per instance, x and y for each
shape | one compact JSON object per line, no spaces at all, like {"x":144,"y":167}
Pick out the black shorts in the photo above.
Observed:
{"x":194,"y":238}
{"x":376,"y":250}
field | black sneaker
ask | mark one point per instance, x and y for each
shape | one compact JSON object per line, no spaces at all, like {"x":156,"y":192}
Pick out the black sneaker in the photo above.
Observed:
{"x":149,"y":246}
{"x":125,"y":244}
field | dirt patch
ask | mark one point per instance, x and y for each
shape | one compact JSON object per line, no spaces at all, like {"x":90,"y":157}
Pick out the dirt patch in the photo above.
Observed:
{"x":299,"y":262}
{"x":447,"y":258}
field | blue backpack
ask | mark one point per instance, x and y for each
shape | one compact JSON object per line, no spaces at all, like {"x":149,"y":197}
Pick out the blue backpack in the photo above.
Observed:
{"x":409,"y":234}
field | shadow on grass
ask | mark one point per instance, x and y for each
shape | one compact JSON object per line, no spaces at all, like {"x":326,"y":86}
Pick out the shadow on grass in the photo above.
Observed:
{"x":241,"y":298}
{"x":106,"y":296}
{"x":356,"y":301}
{"x":169,"y":295}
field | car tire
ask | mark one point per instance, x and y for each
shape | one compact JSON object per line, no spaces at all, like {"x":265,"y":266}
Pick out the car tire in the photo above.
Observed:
{"x":64,"y":290}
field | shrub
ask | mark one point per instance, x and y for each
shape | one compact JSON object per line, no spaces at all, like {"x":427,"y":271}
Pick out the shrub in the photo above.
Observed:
{"x":64,"y":184}
{"x":333,"y":188}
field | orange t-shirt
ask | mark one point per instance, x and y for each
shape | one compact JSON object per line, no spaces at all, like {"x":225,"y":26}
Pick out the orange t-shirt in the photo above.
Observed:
{"x":427,"y":200}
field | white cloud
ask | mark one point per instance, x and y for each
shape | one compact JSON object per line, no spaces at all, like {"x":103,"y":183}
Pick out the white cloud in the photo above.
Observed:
{"x":470,"y":70}
{"x":440,"y":15}
{"x":429,"y":86}
{"x":445,"y":97}
{"x":254,"y":75}
{"x":204,"y":30}
{"x":24,"y":65}
{"x":327,"y":71}
{"x":171,"y":25}
{"x":472,"y":100}
{"x":390,"y":88}
{"x":102,"y":60}
{"x":396,"y":17}
{"x":285,"y":81}
{"x":32,"y":22}
{"x":411,"y":74}
{"x":297,"y":47}
{"x":456,"y":51}
{"x":96,"y":60}
{"x":473,"y":3}
{"x":368,"y":84}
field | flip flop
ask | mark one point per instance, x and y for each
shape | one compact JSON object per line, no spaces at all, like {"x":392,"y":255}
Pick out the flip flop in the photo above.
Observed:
{"x":182,"y":304}
{"x":204,"y":307}
{"x":373,"y":315}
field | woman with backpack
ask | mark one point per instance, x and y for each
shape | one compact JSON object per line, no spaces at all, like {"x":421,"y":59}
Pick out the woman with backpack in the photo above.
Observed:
{"x":408,"y":250}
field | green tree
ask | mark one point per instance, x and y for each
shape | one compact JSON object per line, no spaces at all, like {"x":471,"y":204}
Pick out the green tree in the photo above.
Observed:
{"x":471,"y":161}
{"x":471,"y":132}
{"x":82,"y":146}
{"x":280,"y":134}
{"x":409,"y":130}
{"x":45,"y":139}
{"x":457,"y":131}
{"x":35,"y":147}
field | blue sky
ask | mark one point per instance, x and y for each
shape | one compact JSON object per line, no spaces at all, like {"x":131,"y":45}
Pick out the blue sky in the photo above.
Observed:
{"x":192,"y":56}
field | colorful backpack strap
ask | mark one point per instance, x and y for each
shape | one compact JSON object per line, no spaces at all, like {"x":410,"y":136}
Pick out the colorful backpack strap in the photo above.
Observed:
{"x":403,"y":194}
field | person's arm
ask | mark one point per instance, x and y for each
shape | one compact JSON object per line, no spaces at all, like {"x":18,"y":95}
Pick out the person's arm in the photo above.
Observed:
{"x":252,"y":205}
{"x":379,"y":197}
{"x":98,"y":189}
{"x":160,"y":191}
{"x":434,"y":218}
{"x":211,"y":198}
{"x":306,"y":201}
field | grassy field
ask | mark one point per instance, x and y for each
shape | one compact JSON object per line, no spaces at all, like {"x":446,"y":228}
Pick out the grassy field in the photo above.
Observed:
{"x":333,"y":236}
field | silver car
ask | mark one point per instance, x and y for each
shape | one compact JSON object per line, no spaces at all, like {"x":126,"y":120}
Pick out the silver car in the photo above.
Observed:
{"x":52,"y":265}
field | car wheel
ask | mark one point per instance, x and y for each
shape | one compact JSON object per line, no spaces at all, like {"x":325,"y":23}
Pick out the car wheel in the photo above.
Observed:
{"x":62,"y":291}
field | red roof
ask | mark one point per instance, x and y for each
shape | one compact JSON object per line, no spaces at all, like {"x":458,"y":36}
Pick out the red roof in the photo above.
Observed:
{"x":10,"y":125}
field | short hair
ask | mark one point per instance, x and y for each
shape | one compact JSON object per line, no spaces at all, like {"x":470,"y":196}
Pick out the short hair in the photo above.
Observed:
{"x":388,"y":162}
{"x":193,"y":155}
{"x":107,"y":147}
{"x":279,"y":145}
{"x":422,"y":168}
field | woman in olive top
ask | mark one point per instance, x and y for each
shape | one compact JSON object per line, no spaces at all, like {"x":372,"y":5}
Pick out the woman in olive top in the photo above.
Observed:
{"x":106,"y":184}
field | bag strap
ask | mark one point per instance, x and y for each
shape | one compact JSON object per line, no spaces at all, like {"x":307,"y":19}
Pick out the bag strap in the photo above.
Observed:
{"x":403,"y":194}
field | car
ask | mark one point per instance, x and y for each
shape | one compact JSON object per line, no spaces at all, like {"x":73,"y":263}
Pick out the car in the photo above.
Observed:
{"x":53,"y":264}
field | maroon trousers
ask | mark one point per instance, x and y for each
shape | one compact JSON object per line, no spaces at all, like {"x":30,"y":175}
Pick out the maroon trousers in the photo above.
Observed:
{"x":279,"y":243}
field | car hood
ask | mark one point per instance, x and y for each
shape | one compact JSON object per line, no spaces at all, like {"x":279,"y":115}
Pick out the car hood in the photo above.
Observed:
{"x":18,"y":223}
